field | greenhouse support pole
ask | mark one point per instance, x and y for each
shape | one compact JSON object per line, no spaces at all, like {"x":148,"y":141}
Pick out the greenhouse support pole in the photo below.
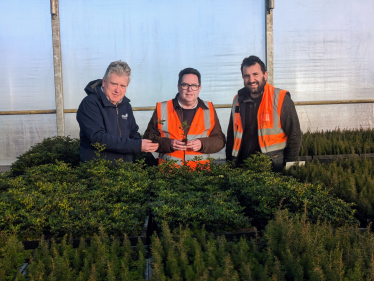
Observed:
{"x":269,"y":40}
{"x":56,"y":41}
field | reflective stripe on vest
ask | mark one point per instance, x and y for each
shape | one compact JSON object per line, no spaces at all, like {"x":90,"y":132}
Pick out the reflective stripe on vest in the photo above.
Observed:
{"x":170,"y":129}
{"x":164,"y":116}
{"x":237,"y":125}
{"x":271,"y":135}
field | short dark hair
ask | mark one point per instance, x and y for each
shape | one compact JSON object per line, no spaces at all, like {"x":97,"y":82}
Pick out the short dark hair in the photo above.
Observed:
{"x":252,"y":60}
{"x":189,"y":70}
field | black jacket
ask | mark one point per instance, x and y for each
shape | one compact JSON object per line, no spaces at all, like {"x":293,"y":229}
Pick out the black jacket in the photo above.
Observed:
{"x":111,"y":125}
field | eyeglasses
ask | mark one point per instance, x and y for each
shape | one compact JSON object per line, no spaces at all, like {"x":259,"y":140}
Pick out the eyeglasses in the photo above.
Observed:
{"x":185,"y":86}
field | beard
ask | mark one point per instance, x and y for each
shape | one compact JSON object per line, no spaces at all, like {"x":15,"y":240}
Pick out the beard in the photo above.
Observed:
{"x":259,"y":89}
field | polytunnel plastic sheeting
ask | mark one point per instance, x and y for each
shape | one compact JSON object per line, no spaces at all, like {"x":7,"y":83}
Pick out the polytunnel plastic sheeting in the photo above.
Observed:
{"x":158,"y":39}
{"x":334,"y":116}
{"x":323,"y":50}
{"x":20,"y":132}
{"x":26,"y":60}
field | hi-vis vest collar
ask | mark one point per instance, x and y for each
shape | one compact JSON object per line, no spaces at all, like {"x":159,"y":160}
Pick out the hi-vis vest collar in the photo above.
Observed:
{"x":201,"y":127}
{"x":271,"y":136}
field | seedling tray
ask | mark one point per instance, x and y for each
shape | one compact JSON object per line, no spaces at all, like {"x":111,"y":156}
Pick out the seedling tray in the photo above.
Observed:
{"x":144,"y":236}
{"x":367,"y":155}
{"x":228,"y":235}
{"x":332,"y":158}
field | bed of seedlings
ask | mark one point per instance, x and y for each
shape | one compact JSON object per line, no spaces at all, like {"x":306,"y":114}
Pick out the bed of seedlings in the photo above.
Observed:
{"x":103,"y":258}
{"x":315,"y":235}
{"x":335,"y":142}
{"x":290,"y":249}
{"x":352,"y":180}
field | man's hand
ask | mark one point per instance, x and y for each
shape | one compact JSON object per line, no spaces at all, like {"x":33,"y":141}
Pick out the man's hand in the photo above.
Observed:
{"x":148,"y":146}
{"x":195,"y":145}
{"x":178,"y":145}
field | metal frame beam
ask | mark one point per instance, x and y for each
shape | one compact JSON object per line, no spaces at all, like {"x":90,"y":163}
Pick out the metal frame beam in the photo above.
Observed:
{"x":269,"y":7}
{"x":151,"y":108}
{"x":57,"y":63}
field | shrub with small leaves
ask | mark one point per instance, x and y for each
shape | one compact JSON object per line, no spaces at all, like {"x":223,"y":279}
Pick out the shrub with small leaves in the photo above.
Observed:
{"x":57,"y":199}
{"x":50,"y":150}
{"x":194,"y":197}
{"x":263,"y":192}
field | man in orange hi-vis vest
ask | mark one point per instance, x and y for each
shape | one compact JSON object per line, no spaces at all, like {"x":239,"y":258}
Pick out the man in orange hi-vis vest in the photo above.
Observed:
{"x":190,"y":126}
{"x":263,"y":119}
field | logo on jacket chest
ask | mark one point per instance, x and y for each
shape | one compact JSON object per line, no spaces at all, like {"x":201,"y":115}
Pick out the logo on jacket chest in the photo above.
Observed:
{"x":125,"y":116}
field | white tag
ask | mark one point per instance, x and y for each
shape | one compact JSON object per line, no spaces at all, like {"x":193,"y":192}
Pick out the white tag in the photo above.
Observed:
{"x":290,"y":164}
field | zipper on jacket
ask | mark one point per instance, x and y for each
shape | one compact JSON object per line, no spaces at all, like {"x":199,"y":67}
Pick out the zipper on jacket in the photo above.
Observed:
{"x":184,"y":151}
{"x":119,"y":128}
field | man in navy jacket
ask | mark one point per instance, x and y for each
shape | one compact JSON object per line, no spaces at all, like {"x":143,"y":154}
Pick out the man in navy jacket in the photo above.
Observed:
{"x":105,"y":116}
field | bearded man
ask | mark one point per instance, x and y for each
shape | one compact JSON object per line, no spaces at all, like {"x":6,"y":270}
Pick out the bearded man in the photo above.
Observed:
{"x":263,"y":119}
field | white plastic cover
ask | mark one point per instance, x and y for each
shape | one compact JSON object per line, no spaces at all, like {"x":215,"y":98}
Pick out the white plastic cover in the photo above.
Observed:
{"x":158,"y":39}
{"x":323,"y":50}
{"x":20,"y":132}
{"x":26,"y":60}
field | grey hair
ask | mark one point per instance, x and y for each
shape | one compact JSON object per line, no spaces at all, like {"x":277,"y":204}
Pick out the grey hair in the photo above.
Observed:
{"x":119,"y":67}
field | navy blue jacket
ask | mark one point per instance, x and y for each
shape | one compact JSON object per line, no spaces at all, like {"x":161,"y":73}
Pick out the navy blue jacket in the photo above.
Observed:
{"x":111,"y":125}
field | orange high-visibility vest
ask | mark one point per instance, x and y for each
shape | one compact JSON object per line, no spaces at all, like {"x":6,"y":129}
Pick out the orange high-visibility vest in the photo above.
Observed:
{"x":201,"y":127}
{"x":271,"y":136}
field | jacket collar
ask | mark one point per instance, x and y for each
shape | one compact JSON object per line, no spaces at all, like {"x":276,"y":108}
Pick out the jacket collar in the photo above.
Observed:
{"x":200,"y":103}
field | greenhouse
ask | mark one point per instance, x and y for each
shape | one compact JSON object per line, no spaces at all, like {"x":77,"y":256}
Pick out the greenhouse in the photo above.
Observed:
{"x":64,"y":218}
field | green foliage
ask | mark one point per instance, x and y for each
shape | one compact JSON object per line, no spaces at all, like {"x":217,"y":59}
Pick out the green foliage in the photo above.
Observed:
{"x":220,"y":196}
{"x":352,"y":180}
{"x":338,"y":142}
{"x":146,"y":158}
{"x":185,"y":128}
{"x":308,"y":251}
{"x":12,"y":256}
{"x":57,"y":199}
{"x":183,"y":196}
{"x":50,"y":150}
{"x":103,"y":259}
{"x":290,"y":249}
{"x":263,"y":192}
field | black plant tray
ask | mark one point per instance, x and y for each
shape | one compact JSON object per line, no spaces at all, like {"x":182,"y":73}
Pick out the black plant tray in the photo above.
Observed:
{"x":305,"y":158}
{"x":33,"y":244}
{"x":228,"y":235}
{"x":367,"y":155}
{"x":332,"y":158}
